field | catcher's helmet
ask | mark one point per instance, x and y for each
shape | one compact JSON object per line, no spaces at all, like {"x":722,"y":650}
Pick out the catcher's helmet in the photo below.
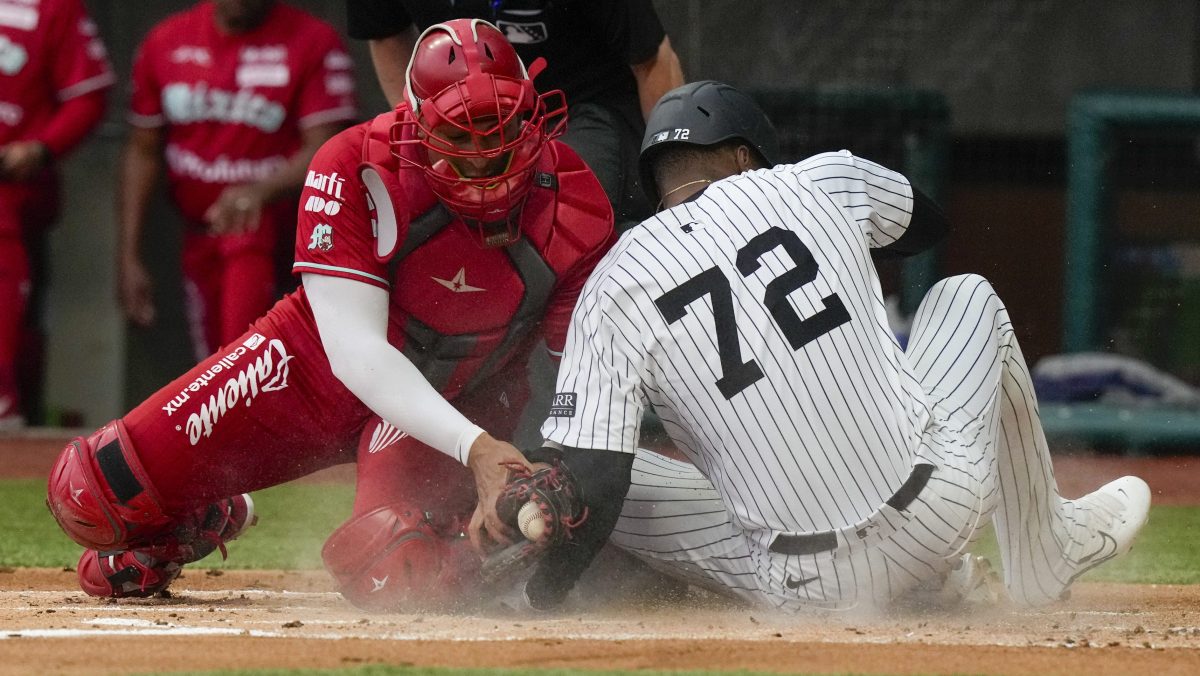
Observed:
{"x":482,"y":124}
{"x":704,"y":113}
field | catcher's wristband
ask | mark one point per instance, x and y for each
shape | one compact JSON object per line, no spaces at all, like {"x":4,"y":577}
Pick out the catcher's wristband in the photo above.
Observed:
{"x":466,"y":439}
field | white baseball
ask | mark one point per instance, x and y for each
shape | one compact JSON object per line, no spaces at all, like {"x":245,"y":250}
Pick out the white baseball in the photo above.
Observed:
{"x":530,"y":520}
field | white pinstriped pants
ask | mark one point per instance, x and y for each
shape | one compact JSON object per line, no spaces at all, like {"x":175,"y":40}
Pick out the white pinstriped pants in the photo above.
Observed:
{"x":991,"y":459}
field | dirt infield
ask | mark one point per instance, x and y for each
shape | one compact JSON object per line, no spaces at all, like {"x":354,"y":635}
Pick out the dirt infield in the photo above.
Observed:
{"x":275,"y":619}
{"x":258,"y":619}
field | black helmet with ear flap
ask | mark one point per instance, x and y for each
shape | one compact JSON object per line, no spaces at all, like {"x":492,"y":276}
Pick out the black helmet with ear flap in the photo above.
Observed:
{"x":704,"y":113}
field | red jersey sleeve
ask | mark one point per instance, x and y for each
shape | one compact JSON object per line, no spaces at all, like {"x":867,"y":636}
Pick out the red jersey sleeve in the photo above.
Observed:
{"x":334,"y":232}
{"x":145,"y":103}
{"x":80,"y":64}
{"x":327,"y":94}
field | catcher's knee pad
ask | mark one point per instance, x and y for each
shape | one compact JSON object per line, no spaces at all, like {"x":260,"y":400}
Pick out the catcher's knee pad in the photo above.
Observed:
{"x":99,"y":493}
{"x":394,"y":558}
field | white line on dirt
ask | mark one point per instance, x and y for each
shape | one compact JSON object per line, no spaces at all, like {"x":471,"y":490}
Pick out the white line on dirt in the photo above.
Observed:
{"x":161,"y":631}
{"x":1115,"y":613}
{"x":12,"y":634}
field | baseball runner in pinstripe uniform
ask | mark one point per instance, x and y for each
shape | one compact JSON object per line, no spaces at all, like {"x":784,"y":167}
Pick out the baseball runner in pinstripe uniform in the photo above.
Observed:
{"x":828,"y":467}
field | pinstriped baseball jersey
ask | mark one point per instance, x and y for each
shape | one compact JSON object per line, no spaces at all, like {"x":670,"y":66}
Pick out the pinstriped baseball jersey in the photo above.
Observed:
{"x":752,"y":319}
{"x":829,"y":468}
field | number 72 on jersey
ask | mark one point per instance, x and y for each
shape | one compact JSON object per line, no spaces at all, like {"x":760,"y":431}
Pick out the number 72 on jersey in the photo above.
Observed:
{"x":737,"y":375}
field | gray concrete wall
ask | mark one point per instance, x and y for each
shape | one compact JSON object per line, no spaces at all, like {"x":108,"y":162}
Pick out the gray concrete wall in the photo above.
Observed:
{"x":1008,"y":67}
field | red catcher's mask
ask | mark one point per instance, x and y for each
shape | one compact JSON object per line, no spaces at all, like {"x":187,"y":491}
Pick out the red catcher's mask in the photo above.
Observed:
{"x":481,"y":123}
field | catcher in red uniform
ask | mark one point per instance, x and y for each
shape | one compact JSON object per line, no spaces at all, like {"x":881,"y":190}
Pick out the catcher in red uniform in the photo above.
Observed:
{"x":454,"y":233}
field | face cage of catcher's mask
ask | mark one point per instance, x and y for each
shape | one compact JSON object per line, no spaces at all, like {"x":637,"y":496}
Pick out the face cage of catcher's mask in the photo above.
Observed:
{"x":452,"y":106}
{"x":544,"y":119}
{"x":502,"y":195}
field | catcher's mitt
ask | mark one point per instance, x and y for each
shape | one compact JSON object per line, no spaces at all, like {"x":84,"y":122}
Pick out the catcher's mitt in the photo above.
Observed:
{"x":555,"y":496}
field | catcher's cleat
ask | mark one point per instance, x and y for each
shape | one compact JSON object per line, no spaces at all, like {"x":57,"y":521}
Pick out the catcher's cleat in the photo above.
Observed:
{"x":146,"y":570}
{"x":204,"y":531}
{"x":1113,"y":515}
{"x":241,"y":517}
{"x":127,"y":574}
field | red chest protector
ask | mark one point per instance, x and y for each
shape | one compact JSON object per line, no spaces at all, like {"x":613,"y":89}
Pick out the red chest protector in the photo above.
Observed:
{"x":458,"y":310}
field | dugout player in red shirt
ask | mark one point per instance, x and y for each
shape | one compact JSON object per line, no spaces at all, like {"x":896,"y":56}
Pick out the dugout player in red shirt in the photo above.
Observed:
{"x":454,"y":234}
{"x":54,"y":75}
{"x":234,"y":96}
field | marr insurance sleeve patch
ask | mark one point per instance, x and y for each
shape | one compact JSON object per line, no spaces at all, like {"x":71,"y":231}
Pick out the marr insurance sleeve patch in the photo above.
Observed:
{"x":563,"y":405}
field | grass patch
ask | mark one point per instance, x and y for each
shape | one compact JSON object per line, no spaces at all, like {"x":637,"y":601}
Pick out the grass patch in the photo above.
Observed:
{"x":1163,"y":554}
{"x":295,"y":519}
{"x":293,"y":522}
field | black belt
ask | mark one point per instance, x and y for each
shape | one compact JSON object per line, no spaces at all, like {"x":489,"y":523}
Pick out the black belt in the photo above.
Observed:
{"x":814,"y":543}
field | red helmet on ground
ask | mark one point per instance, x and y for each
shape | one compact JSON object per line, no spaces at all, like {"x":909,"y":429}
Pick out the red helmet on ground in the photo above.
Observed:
{"x":482,"y":124}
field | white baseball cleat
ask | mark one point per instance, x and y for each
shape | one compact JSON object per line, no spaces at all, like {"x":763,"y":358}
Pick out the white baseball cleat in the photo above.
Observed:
{"x":972,"y":582}
{"x":1113,"y":516}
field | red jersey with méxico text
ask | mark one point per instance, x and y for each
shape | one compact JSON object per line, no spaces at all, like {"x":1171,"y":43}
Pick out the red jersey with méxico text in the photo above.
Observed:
{"x":458,"y":310}
{"x":50,"y":52}
{"x":234,"y":106}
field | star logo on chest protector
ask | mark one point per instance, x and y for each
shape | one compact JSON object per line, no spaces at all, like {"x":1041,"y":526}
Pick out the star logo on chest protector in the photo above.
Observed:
{"x":458,"y":284}
{"x":379,"y":584}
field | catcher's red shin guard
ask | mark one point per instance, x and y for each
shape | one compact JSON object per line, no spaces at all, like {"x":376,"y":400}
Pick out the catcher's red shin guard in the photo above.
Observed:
{"x":394,"y":558}
{"x":99,"y":493}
